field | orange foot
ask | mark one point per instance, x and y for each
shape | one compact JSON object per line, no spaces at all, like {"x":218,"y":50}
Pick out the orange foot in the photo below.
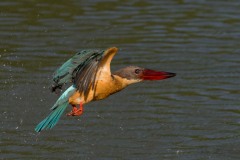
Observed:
{"x":76,"y":111}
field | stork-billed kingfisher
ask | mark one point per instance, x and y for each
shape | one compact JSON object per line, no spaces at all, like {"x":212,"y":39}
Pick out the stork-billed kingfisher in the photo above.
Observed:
{"x":90,"y":74}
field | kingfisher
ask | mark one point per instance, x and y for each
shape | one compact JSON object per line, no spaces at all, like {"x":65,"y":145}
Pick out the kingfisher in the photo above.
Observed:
{"x":90,"y":75}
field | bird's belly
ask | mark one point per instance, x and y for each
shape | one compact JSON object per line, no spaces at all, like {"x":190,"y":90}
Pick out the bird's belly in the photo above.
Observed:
{"x":99,"y":93}
{"x":100,"y":96}
{"x":104,"y":87}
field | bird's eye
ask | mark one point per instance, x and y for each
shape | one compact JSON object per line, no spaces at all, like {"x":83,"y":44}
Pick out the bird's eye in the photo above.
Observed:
{"x":137,"y":71}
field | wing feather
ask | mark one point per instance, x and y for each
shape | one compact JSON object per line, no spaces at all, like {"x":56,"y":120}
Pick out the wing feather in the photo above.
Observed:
{"x":82,"y":69}
{"x":65,"y":73}
{"x":86,"y":76}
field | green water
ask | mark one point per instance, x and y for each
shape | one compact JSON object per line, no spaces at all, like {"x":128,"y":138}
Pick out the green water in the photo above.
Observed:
{"x":195,"y":115}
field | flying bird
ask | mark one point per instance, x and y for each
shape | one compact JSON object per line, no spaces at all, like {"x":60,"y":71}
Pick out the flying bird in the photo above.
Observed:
{"x":91,"y":77}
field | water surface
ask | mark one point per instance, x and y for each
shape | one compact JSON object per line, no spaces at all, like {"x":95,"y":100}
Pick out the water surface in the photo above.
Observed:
{"x":194,"y":115}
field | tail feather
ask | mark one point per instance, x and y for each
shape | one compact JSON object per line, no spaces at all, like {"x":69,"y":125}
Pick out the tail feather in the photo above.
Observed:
{"x":57,"y":110}
{"x":52,"y":119}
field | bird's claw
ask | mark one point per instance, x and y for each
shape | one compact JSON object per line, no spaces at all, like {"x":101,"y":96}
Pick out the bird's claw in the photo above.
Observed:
{"x":76,"y":111}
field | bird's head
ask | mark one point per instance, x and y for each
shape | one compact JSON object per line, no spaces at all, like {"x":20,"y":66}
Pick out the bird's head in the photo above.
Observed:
{"x":134,"y":74}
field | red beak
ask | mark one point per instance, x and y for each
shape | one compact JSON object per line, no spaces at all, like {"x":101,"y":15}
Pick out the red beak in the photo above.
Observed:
{"x":149,"y":74}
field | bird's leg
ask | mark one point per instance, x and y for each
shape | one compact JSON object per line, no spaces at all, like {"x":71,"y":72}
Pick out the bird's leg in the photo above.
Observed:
{"x":79,"y":111}
{"x":74,"y":108}
{"x":76,"y":111}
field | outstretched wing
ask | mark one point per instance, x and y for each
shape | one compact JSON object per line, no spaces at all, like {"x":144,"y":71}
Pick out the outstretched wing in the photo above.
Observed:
{"x":85,"y":75}
{"x":68,"y":70}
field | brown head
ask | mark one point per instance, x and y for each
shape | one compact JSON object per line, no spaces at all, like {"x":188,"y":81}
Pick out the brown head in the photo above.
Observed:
{"x":134,"y":74}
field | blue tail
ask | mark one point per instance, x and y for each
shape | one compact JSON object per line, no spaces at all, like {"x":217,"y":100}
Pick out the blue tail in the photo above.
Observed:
{"x":57,"y":110}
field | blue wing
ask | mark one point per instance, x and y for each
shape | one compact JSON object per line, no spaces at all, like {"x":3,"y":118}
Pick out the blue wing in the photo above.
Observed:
{"x":78,"y":63}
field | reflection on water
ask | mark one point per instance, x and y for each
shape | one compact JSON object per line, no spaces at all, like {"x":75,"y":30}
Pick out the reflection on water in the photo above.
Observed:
{"x":192,"y":116}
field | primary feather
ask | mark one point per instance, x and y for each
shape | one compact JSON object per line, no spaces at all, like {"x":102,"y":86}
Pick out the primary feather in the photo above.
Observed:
{"x":73,"y":67}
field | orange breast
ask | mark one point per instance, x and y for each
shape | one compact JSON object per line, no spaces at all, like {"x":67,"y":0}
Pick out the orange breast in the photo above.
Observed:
{"x":105,"y":85}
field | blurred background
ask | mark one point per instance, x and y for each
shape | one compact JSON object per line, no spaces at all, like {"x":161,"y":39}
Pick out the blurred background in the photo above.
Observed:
{"x":194,"y":115}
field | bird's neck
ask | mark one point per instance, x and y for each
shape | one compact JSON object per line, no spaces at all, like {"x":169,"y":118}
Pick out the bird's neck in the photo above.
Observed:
{"x":121,"y":82}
